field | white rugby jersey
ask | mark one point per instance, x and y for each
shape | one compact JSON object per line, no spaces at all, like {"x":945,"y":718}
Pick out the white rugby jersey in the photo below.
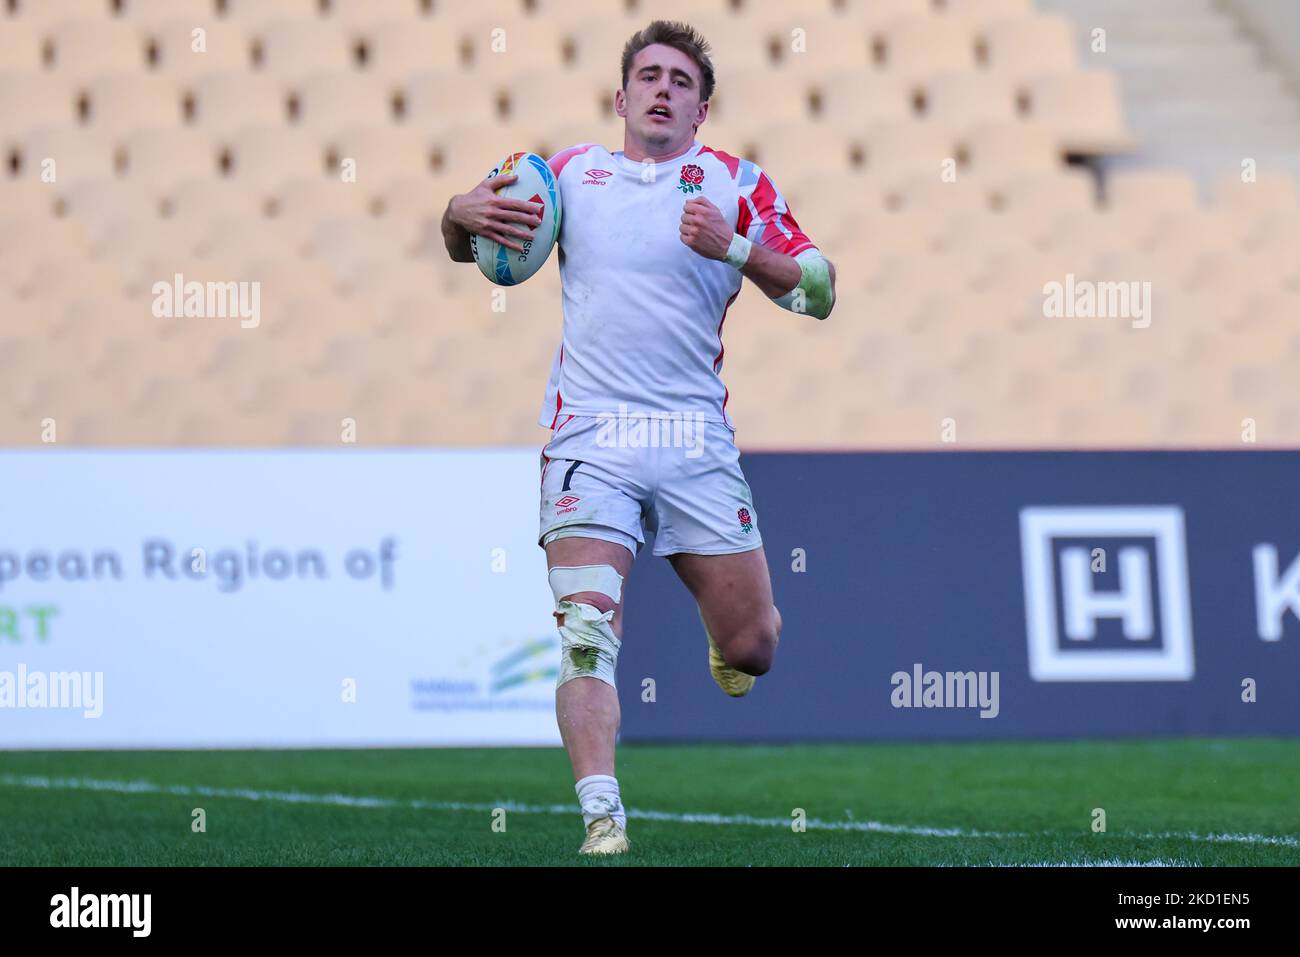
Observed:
{"x":643,"y":312}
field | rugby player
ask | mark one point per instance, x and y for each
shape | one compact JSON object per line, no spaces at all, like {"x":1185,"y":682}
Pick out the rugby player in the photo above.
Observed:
{"x":654,"y":241}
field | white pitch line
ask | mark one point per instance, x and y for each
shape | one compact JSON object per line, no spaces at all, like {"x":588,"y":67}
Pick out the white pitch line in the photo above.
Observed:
{"x":1107,"y":862}
{"x":417,"y":804}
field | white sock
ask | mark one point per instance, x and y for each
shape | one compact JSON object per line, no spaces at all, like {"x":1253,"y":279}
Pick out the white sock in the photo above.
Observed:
{"x":598,"y":795}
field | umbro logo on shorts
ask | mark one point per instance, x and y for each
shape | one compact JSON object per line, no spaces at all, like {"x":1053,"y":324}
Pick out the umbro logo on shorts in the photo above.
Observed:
{"x":567,"y":504}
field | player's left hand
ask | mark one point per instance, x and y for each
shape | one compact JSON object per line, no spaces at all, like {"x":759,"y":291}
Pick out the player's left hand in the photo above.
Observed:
{"x":704,"y":229}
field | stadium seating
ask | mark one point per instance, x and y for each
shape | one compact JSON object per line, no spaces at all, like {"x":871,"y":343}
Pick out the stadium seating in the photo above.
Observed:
{"x":952,"y":157}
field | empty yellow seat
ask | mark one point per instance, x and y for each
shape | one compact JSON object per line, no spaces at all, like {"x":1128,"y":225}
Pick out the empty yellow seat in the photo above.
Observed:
{"x":162,"y":158}
{"x":122,"y":102}
{"x":51,"y":13}
{"x":263,"y":157}
{"x":902,"y":149}
{"x":227,"y":101}
{"x":186,"y":49}
{"x":1262,"y":193}
{"x":32,"y":100}
{"x":377,"y":154}
{"x":433,"y":98}
{"x":292,"y":49}
{"x":82,"y":49}
{"x":330,"y":102}
{"x":397,"y":49}
{"x":1151,"y":190}
{"x":808,"y":45}
{"x":1001,"y":151}
{"x":63,"y":156}
{"x":1082,"y":109}
{"x":915,"y":48}
{"x":20,"y":46}
{"x":1019,"y":47}
{"x":154,"y":13}
{"x":964,"y":100}
{"x":257,"y":13}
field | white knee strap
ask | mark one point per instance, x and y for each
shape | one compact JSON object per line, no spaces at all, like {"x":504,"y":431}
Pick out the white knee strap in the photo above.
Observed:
{"x":570,"y":579}
{"x":588,"y":645}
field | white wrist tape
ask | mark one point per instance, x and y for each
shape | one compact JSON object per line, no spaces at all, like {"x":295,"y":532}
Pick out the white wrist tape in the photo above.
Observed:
{"x":738,"y":251}
{"x":814,"y":295}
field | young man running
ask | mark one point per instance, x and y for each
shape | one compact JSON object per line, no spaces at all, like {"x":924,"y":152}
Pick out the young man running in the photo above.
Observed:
{"x":654,"y":242}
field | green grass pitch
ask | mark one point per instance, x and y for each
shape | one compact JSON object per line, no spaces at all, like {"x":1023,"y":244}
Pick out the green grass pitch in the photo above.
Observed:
{"x":1199,"y":802}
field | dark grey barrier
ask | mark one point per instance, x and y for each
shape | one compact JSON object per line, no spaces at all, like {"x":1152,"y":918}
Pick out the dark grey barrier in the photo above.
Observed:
{"x":1055,"y":593}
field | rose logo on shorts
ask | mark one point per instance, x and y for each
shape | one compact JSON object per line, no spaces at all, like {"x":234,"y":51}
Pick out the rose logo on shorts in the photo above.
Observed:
{"x":746,"y":523}
{"x":566,"y":504}
{"x":692,"y":177}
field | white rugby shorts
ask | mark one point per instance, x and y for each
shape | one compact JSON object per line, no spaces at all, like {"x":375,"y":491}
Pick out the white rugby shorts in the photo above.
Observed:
{"x":603,"y":477}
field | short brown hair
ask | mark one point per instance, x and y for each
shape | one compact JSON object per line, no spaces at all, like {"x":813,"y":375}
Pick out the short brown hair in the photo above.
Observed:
{"x":680,"y":36}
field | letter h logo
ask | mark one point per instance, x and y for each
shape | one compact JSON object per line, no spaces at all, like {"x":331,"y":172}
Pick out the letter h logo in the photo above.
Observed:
{"x":1090,"y":622}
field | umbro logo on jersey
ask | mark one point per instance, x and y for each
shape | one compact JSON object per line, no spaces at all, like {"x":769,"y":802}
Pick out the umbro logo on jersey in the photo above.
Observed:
{"x":598,"y":177}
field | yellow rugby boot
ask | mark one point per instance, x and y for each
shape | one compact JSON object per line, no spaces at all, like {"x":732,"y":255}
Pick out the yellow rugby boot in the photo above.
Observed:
{"x":604,"y":836}
{"x":733,"y":682}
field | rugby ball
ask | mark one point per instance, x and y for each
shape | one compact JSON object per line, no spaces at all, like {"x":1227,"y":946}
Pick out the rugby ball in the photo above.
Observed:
{"x":536,"y":184}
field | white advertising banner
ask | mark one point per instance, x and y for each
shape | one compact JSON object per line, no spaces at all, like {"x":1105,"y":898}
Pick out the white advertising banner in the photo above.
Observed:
{"x":279,"y":598}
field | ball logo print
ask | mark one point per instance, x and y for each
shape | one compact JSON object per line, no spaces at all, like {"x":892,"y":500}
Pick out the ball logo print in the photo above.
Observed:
{"x":1090,"y":622}
{"x":535,"y":184}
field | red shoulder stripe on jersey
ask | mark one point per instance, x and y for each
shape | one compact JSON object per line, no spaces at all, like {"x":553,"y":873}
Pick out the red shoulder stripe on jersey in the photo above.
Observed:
{"x":731,"y":162}
{"x":744,"y":219}
{"x":558,"y":161}
{"x":780,"y":232}
{"x":764,"y":198}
